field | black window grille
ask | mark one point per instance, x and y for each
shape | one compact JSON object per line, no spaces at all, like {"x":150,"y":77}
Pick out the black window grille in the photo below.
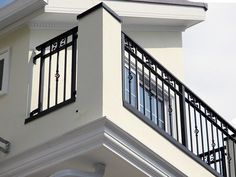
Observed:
{"x":54,"y":74}
{"x":159,"y":99}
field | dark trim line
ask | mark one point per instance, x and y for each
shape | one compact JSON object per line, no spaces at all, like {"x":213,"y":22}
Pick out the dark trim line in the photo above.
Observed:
{"x":169,"y":138}
{"x":172,"y":2}
{"x":54,"y":108}
{"x":103,"y":5}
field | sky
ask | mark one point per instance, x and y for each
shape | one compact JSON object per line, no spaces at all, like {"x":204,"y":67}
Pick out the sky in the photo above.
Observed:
{"x":5,"y":2}
{"x":210,"y":58}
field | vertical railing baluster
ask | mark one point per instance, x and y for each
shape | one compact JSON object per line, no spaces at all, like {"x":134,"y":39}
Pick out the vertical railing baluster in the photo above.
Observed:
{"x":176,"y":114}
{"x":163,"y":100}
{"x":41,"y":77}
{"x":130,"y":77}
{"x":143,"y":75}
{"x":228,"y":153}
{"x":218,"y":144}
{"x":170,"y":110}
{"x":183,"y":121}
{"x":224,"y":172}
{"x":207,"y":136}
{"x":157,"y":112}
{"x":136,"y":83}
{"x":57,"y":75}
{"x":150,"y":93}
{"x":196,"y":131}
{"x":49,"y":76}
{"x":213,"y":144}
{"x":234,"y":165}
{"x":190,"y":125}
{"x":201,"y":132}
{"x":65,"y":70}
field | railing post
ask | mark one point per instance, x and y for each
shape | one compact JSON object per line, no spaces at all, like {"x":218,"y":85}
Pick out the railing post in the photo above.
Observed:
{"x":41,"y":78}
{"x":122,"y":64}
{"x":183,"y":121}
{"x":73,"y":72}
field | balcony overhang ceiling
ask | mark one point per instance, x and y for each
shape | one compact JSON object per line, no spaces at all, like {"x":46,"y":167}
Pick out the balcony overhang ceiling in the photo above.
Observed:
{"x":135,"y":14}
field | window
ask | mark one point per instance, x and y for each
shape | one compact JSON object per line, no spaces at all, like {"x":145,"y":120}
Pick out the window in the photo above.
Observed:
{"x":4,"y":70}
{"x":142,"y":96}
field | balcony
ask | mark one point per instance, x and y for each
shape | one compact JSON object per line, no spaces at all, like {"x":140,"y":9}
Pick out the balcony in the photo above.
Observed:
{"x":158,"y":98}
{"x":150,"y":92}
{"x":105,"y":73}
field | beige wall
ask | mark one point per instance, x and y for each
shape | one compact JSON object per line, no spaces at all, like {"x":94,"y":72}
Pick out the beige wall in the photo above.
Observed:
{"x":164,"y":46}
{"x":99,"y":94}
{"x":12,"y":105}
{"x":114,"y":110}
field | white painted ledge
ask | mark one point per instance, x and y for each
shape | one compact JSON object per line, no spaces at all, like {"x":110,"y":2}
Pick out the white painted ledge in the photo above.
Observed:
{"x":99,"y":134}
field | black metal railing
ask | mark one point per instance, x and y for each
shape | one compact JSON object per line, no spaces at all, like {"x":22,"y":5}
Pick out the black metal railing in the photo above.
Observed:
{"x":157,"y":97}
{"x":54,"y":74}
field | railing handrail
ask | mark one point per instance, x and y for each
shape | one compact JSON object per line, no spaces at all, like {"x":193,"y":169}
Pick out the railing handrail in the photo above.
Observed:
{"x":220,"y":118}
{"x":47,"y":43}
{"x":49,"y":54}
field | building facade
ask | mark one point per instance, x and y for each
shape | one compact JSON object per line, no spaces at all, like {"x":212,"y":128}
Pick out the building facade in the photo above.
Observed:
{"x":93,"y":88}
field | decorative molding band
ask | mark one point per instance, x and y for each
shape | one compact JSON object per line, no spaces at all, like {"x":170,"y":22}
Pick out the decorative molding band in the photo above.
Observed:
{"x":153,"y":28}
{"x":98,"y":134}
{"x":51,"y":26}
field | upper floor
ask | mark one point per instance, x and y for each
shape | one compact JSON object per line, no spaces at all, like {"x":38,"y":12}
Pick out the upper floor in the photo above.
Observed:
{"x":106,"y":75}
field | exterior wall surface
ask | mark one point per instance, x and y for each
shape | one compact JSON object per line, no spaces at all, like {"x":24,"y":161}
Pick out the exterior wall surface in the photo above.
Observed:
{"x":164,"y":46}
{"x":12,"y":104}
{"x":99,"y":86}
{"x":114,"y":110}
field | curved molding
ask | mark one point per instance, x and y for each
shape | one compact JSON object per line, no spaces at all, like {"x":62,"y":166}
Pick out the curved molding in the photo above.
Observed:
{"x":99,"y":172}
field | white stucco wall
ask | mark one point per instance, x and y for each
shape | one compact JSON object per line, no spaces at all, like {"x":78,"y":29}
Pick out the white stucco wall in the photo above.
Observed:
{"x":165,"y":46}
{"x":99,"y":90}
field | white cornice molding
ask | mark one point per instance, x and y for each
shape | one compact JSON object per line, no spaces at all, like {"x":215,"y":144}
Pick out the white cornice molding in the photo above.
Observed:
{"x":101,"y":133}
{"x":19,"y":12}
{"x":67,"y":10}
{"x":152,"y":28}
{"x":51,"y":26}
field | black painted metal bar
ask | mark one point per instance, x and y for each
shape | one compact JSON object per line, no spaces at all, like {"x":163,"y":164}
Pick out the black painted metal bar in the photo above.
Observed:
{"x":157,"y":112}
{"x":57,"y":75}
{"x":143,"y":75}
{"x":49,"y":76}
{"x":136,"y":82}
{"x":170,"y":111}
{"x":150,"y":93}
{"x":196,"y":131}
{"x":183,"y":118}
{"x":65,"y":70}
{"x":190,"y":126}
{"x":176,"y":116}
{"x":163,"y":100}
{"x":46,"y":52}
{"x":193,"y":112}
{"x":202,"y":137}
{"x":40,"y":94}
{"x":73,"y":64}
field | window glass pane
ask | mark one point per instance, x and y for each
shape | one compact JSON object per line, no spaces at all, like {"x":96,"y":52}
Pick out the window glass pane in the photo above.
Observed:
{"x":130,"y":87}
{"x":155,"y":106}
